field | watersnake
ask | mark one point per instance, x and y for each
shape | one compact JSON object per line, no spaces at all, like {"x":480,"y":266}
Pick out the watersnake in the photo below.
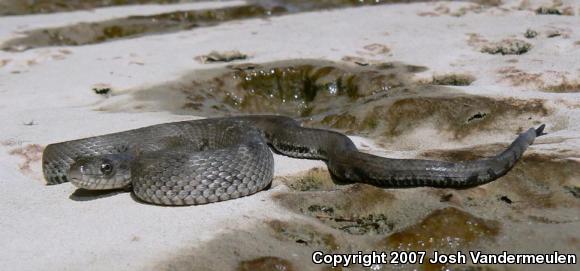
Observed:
{"x":217,"y":159}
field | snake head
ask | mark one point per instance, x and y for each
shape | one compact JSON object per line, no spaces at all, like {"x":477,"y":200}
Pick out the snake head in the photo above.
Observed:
{"x":111,"y":171}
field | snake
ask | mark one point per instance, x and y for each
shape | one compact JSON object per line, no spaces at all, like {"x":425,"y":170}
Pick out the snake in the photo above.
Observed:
{"x":216,"y":159}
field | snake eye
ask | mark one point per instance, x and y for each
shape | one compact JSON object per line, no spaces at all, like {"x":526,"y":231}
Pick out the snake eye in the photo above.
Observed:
{"x":106,"y":168}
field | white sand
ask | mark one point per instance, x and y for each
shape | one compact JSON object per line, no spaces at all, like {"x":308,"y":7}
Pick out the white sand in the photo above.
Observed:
{"x":41,"y":228}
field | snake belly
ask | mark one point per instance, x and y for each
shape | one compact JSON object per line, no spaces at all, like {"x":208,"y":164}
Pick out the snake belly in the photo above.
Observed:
{"x":210,"y":160}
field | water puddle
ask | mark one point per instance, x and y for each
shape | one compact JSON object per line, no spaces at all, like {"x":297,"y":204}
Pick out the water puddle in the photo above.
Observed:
{"x":379,"y":100}
{"x":298,"y":88}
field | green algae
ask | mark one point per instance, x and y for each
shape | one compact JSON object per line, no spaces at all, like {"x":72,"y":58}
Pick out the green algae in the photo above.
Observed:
{"x":299,"y":82}
{"x":298,"y":88}
{"x":312,"y":82}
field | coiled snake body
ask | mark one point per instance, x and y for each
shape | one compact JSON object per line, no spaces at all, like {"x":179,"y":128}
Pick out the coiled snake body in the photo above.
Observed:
{"x":210,"y":160}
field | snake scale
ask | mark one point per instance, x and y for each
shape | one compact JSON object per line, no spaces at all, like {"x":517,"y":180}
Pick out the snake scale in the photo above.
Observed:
{"x":210,"y":160}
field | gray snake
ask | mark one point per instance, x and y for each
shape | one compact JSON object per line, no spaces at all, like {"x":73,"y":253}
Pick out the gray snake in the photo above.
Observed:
{"x":210,"y":160}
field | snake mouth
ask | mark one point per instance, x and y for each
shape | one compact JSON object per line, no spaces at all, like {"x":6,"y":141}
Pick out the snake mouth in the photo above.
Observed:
{"x":83,"y":179}
{"x":82,"y":182}
{"x":86,"y":182}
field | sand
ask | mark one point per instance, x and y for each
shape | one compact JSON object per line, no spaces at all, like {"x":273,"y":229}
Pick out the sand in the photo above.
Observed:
{"x":47,"y":97}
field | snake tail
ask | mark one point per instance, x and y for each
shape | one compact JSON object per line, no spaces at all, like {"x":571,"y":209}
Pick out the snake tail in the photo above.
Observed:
{"x":356,"y":166}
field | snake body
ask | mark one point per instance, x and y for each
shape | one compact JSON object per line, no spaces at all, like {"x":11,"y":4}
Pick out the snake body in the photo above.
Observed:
{"x":210,"y":160}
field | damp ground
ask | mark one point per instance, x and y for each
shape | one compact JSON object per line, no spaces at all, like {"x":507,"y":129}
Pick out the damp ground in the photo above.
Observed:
{"x":381,"y":100}
{"x":537,"y":201}
{"x":12,"y":7}
{"x":137,"y":26}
